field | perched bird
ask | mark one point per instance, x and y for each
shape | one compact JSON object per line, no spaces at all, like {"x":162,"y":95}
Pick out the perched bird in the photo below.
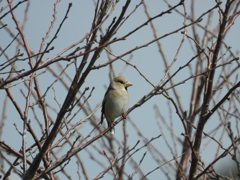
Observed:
{"x":115,"y":102}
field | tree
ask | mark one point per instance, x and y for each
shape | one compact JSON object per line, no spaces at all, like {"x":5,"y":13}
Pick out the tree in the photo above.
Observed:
{"x":53,"y":72}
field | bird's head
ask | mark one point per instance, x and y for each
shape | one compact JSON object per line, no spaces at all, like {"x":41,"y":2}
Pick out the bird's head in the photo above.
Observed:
{"x":121,"y":82}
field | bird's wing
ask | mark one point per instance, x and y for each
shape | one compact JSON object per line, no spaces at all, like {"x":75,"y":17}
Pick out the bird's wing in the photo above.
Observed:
{"x":104,"y":102}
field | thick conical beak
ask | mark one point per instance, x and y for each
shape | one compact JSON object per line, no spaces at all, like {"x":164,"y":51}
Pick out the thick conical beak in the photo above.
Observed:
{"x":128,"y":84}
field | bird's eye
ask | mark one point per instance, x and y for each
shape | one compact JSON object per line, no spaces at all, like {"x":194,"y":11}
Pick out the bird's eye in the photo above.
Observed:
{"x":121,"y":82}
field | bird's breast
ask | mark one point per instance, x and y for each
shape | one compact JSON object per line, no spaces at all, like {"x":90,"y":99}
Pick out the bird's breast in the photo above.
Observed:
{"x":116,"y":104}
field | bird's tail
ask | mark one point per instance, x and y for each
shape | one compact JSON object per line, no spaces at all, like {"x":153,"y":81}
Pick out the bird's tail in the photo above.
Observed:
{"x":112,"y":131}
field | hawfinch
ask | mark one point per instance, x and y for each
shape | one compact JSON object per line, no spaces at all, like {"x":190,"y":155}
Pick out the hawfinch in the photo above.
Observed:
{"x":115,"y":102}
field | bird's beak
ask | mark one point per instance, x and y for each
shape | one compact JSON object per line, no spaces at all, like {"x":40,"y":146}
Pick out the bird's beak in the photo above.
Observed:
{"x":128,"y":84}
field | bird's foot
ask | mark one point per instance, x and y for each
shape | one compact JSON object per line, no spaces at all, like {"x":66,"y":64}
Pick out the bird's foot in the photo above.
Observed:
{"x":112,"y":124}
{"x":124,"y":115}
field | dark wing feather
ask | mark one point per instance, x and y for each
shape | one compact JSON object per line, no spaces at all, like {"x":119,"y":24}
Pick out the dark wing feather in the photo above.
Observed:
{"x":103,"y":104}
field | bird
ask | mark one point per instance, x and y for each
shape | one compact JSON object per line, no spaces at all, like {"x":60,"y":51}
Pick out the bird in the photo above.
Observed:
{"x":115,"y":102}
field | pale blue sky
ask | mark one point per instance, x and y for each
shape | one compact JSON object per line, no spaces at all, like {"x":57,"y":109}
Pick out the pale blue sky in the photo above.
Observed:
{"x":147,"y":60}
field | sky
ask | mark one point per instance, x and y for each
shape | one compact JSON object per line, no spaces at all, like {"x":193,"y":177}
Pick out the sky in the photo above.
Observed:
{"x":147,"y":60}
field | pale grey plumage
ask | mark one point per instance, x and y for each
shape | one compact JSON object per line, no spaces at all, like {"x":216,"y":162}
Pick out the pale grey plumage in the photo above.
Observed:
{"x":115,"y":101}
